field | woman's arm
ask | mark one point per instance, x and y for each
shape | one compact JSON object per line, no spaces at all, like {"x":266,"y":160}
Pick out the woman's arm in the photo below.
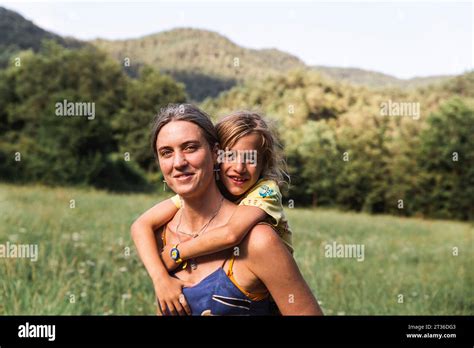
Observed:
{"x":220,"y":238}
{"x":272,"y":263}
{"x":168,"y":290}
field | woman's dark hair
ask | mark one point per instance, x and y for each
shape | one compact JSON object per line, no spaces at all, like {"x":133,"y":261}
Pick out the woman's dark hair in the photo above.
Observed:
{"x":184,"y":112}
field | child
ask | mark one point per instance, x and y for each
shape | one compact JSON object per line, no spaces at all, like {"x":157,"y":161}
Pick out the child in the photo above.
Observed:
{"x":250,"y":174}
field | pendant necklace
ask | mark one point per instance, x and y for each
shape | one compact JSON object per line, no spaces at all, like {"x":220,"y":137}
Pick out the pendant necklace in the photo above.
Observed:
{"x":193,"y":261}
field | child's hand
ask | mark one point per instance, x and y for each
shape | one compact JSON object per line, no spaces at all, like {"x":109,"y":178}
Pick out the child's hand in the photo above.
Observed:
{"x":168,"y":262}
{"x":169,"y":294}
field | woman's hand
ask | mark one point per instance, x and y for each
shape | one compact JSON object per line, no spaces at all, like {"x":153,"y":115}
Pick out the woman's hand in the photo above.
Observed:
{"x":169,"y":294}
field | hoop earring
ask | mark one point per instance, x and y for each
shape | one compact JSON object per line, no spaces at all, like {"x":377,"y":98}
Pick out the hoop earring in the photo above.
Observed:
{"x":216,"y":171}
{"x":164,"y":185}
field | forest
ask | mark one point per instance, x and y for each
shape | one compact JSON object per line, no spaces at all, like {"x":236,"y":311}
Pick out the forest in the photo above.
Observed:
{"x":400,"y":149}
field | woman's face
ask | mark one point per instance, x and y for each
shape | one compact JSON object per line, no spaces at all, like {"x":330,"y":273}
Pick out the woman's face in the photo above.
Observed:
{"x":242,"y":167}
{"x":185,"y":158}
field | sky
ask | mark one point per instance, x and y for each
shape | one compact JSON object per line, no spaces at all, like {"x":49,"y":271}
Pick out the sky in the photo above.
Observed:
{"x":403,"y":39}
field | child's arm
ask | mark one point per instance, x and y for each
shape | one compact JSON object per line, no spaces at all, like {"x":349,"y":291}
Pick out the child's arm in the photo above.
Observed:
{"x":220,"y":238}
{"x":168,"y":289}
{"x":143,"y":234}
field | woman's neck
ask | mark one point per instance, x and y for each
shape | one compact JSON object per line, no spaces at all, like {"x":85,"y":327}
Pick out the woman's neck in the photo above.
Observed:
{"x":198,"y":210}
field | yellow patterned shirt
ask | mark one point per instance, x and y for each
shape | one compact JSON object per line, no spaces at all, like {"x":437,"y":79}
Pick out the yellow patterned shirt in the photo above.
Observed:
{"x":265,"y":195}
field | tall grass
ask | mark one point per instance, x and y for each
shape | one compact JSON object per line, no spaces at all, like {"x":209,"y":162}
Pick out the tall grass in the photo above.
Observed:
{"x":87,"y":263}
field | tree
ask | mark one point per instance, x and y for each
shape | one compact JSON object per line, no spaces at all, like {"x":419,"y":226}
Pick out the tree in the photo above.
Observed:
{"x":363,"y":181}
{"x":318,"y":151}
{"x":446,"y":162}
{"x":144,"y":98}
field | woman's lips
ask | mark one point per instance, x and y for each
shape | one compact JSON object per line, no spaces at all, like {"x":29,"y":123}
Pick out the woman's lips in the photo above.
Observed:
{"x":237,"y":180}
{"x":184,"y":177}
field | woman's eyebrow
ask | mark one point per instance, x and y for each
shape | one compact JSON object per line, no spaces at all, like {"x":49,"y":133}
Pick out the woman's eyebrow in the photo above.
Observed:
{"x":190,"y":142}
{"x":164,"y":147}
{"x":182,"y":145}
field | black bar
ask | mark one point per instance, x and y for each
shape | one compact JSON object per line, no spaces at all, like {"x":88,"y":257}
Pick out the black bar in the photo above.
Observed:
{"x":135,"y":330}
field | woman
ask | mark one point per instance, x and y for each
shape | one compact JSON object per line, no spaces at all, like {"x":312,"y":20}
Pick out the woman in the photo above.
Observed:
{"x":233,"y":282}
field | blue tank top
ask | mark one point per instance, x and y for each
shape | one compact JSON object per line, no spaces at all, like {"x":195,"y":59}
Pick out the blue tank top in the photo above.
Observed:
{"x":216,"y":294}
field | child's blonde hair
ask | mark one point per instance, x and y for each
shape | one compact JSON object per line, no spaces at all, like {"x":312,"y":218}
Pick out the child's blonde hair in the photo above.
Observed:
{"x":241,"y":123}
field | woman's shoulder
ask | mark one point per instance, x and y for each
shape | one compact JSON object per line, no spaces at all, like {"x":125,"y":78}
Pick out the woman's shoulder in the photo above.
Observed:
{"x":262,"y":248}
{"x":262,"y":238}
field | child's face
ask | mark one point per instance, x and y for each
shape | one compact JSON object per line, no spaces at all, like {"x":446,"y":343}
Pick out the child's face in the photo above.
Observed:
{"x":242,"y":165}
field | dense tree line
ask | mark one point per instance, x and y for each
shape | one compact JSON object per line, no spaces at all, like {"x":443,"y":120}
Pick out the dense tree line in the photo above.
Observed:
{"x":343,"y":151}
{"x":342,"y":148}
{"x":109,"y":150}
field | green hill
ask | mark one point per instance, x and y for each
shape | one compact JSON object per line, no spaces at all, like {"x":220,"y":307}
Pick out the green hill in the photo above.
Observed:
{"x":375,"y":79}
{"x":392,"y":150}
{"x":22,"y":33}
{"x":205,"y":61}
{"x":19,"y":33}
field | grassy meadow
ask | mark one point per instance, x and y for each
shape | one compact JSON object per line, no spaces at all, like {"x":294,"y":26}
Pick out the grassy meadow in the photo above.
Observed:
{"x":87,"y":263}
